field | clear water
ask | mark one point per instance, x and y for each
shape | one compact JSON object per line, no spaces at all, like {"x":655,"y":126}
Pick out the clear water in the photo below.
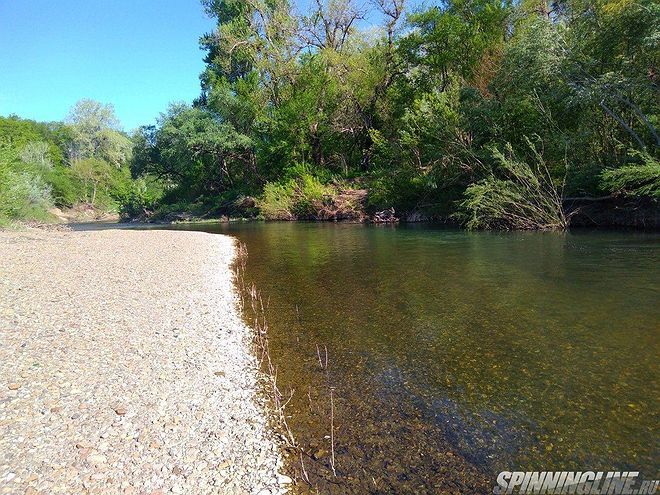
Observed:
{"x":455,"y":355}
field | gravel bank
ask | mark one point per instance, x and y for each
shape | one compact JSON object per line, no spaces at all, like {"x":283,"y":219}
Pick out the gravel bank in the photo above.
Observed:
{"x":125,"y":367}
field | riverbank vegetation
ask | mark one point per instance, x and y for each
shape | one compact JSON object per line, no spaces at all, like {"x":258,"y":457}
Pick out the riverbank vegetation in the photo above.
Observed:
{"x":77,"y":169}
{"x":485,"y":111}
{"x":492,"y":113}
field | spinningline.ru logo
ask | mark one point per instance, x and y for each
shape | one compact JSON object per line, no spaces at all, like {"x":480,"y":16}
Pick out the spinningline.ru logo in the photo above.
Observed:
{"x":577,"y":482}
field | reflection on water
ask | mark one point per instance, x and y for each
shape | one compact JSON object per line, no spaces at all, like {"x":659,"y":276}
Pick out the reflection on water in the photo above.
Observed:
{"x":455,"y":355}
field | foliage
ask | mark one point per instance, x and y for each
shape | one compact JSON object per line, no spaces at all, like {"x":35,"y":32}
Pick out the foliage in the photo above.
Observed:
{"x":140,"y":198}
{"x":37,"y":152}
{"x":293,"y":104}
{"x":192,"y":150}
{"x":515,"y":196}
{"x":66,"y":187}
{"x":41,"y":164}
{"x":413,"y":110}
{"x":304,"y":110}
{"x":96,"y":135}
{"x":638,"y":180}
{"x":303,"y":196}
{"x":23,"y":195}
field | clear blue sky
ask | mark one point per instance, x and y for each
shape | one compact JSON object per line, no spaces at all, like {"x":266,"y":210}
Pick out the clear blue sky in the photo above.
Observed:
{"x":136,"y":54}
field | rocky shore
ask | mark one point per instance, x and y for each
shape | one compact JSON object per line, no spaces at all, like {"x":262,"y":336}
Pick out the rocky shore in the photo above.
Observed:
{"x":125,"y":368}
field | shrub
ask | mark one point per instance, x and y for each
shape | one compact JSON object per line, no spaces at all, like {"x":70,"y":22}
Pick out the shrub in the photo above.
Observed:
{"x":37,"y":153}
{"x":23,"y":193}
{"x":301,"y":197}
{"x":140,"y":199}
{"x":25,"y":196}
{"x":277,"y":201}
{"x":638,"y":180}
{"x":66,"y":188}
{"x":521,"y":197}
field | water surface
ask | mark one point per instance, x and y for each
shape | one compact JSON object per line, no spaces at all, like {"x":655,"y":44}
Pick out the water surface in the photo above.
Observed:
{"x":455,"y":355}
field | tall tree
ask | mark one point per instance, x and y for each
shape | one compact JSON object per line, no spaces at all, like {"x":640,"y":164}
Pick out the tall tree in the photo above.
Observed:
{"x":96,"y":133}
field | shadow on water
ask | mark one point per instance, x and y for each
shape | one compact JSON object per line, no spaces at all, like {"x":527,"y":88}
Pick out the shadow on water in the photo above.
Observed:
{"x":455,"y":355}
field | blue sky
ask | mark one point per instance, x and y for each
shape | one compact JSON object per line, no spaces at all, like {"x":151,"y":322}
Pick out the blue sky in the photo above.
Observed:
{"x":136,"y":54}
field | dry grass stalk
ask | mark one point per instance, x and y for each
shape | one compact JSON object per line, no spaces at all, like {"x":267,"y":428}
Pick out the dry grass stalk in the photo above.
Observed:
{"x":262,"y":351}
{"x":261,"y":343}
{"x":332,"y":432}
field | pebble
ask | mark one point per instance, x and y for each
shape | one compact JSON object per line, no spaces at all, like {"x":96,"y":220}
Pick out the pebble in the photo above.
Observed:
{"x":121,"y":399}
{"x":284,"y":479}
{"x":97,"y":459}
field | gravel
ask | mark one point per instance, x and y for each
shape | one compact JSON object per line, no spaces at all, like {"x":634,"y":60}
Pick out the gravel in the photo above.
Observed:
{"x":125,"y":367}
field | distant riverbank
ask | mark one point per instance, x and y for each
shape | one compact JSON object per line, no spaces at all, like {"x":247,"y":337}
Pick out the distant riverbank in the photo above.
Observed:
{"x":125,"y":367}
{"x":604,"y":212}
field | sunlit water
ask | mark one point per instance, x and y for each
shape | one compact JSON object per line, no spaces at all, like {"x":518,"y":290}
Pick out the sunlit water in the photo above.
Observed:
{"x":454,"y":355}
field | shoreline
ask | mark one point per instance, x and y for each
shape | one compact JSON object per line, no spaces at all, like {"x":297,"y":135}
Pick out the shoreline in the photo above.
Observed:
{"x":126,"y":367}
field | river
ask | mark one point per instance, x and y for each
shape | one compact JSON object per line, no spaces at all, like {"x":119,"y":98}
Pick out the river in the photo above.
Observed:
{"x":453,"y":355}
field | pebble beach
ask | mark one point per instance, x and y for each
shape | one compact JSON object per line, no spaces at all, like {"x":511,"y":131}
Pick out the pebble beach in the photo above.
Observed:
{"x":125,"y":368}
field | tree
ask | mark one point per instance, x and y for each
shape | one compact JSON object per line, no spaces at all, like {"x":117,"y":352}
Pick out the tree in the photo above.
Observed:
{"x":93,"y":173}
{"x":96,"y":133}
{"x":38,"y":153}
{"x":192,"y":150}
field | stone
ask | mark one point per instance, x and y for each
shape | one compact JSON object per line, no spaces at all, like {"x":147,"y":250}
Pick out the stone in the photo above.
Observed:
{"x":283,"y":479}
{"x":319,"y":454}
{"x":97,"y":459}
{"x":14,"y":386}
{"x":145,"y":395}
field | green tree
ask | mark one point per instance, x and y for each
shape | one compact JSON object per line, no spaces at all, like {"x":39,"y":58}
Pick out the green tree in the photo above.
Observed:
{"x":96,"y":133}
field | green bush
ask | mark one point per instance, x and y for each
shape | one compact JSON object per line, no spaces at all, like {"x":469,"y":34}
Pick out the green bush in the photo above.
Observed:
{"x":26,"y":197}
{"x":66,"y":188}
{"x":141,"y":198}
{"x":639,"y":180}
{"x":516,"y":196}
{"x":301,"y":197}
{"x":277,"y":201}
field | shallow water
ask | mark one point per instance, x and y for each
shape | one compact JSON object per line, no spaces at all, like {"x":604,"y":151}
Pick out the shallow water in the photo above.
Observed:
{"x":455,"y":355}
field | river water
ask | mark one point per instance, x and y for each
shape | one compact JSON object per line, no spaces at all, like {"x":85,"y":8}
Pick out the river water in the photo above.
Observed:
{"x":453,"y":355}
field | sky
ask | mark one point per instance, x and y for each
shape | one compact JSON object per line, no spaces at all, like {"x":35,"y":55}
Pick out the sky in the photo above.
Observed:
{"x":138,"y":55}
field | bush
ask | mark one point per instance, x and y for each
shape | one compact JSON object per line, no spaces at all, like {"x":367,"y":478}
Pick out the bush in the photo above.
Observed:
{"x":37,"y":153}
{"x":523,"y":198}
{"x":25,"y":196}
{"x":277,"y":201}
{"x":104,"y":186}
{"x":402,"y":189}
{"x":302,"y":197}
{"x":66,"y":188}
{"x":23,"y":193}
{"x":140,"y":199}
{"x":639,"y":180}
